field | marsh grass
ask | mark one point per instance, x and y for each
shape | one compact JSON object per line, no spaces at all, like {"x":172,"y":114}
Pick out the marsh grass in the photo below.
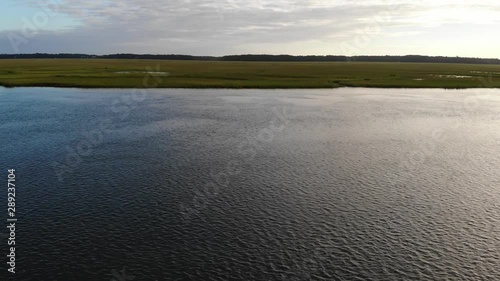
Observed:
{"x":104,"y":73}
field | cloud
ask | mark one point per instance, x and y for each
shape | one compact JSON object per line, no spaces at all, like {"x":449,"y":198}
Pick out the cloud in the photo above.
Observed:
{"x":210,"y":27}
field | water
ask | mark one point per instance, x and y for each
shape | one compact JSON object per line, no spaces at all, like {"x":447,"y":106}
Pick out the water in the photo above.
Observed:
{"x":344,"y":184}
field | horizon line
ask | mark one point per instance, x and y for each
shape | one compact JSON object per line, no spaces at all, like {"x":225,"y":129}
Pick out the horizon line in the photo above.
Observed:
{"x":246,"y":54}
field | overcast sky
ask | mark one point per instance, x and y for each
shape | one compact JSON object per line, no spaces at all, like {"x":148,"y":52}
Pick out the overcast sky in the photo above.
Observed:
{"x":220,"y":27}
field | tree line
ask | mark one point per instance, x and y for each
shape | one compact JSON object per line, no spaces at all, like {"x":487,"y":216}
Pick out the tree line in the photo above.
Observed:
{"x":264,"y":58}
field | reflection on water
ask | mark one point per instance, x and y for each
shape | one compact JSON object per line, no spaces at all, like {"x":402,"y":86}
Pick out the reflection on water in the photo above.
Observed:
{"x":372,"y":184}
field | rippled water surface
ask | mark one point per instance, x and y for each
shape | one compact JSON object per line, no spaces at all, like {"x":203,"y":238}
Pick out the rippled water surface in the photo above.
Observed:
{"x":344,"y":184}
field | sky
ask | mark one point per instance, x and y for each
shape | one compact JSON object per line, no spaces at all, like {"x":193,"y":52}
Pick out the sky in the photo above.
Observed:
{"x":224,"y":27}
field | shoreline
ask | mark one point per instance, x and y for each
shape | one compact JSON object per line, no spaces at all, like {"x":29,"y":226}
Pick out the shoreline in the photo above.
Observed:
{"x":242,"y":88}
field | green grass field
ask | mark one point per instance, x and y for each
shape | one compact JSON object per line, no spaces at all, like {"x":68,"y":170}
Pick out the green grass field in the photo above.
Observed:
{"x":102,"y":73}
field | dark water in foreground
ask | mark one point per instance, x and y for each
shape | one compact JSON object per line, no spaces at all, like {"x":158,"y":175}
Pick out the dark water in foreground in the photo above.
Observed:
{"x":345,"y":184}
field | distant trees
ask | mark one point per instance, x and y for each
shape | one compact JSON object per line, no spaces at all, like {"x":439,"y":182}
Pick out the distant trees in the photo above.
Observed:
{"x":262,"y":57}
{"x":45,"y":56}
{"x":409,"y":58}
